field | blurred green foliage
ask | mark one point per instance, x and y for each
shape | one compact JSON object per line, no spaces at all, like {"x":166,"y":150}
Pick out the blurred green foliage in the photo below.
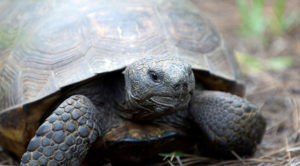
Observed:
{"x":253,"y":64}
{"x":264,"y":28}
{"x":255,"y":23}
{"x":279,"y":22}
{"x":279,"y":63}
{"x":249,"y":62}
{"x":252,"y":20}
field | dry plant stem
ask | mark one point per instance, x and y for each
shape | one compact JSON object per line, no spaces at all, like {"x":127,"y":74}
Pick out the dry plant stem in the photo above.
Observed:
{"x":179,"y":161}
{"x":287,"y":152}
{"x":238,"y":157}
{"x":171,"y":164}
{"x":296,"y":102}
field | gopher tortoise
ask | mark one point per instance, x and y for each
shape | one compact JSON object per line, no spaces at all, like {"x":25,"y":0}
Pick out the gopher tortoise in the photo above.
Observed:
{"x":118,"y":81}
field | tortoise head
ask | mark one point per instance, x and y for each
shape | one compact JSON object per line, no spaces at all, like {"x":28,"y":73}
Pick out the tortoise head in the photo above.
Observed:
{"x":157,"y":86}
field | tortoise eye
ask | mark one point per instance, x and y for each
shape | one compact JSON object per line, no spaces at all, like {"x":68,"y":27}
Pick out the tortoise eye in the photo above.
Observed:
{"x":153,"y":75}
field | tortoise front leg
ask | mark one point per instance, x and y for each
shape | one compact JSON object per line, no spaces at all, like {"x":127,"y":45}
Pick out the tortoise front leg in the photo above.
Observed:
{"x":226,"y":123}
{"x":66,"y":135}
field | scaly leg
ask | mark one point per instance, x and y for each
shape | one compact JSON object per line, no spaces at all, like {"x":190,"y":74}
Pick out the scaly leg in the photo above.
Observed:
{"x":65,"y":136}
{"x":226,"y":122}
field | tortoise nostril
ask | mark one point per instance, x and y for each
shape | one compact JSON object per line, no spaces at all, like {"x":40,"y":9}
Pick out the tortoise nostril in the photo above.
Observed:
{"x":185,"y":86}
{"x":176,"y":87}
{"x":180,"y":86}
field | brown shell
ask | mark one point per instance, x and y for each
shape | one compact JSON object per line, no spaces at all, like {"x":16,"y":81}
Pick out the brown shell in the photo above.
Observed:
{"x":48,"y":45}
{"x":53,"y":44}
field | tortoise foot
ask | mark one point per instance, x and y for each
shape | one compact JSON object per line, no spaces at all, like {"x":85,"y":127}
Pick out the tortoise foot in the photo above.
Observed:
{"x":227,"y":123}
{"x":65,"y":136}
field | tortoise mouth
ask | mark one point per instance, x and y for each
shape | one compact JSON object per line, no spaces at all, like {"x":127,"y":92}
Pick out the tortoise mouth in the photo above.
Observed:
{"x":171,"y":102}
{"x":155,"y":106}
{"x":163,"y":100}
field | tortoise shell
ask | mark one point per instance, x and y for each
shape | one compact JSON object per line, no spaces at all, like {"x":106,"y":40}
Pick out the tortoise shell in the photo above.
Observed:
{"x":50,"y":45}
